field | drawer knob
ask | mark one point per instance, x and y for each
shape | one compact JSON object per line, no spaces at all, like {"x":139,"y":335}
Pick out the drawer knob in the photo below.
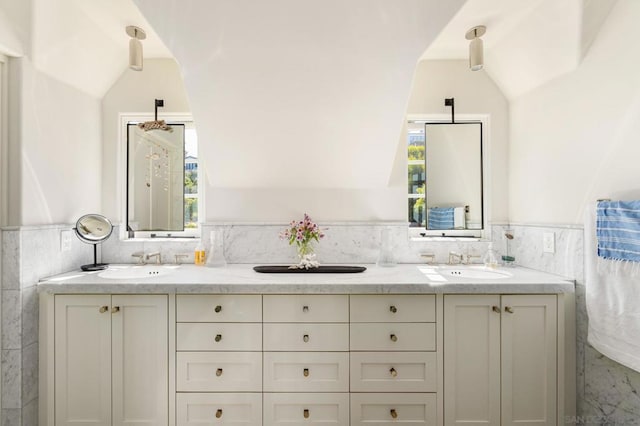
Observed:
{"x":218,"y":337}
{"x":496,"y":309}
{"x":219,"y":372}
{"x":305,"y":338}
{"x":393,"y":338}
{"x":393,"y":309}
{"x":305,"y":372}
{"x":115,"y":309}
{"x":305,"y":413}
{"x":305,"y":308}
{"x":393,"y":372}
{"x":103,"y":309}
{"x":218,"y":413}
{"x":218,"y":308}
{"x":394,"y":413}
{"x":508,"y":309}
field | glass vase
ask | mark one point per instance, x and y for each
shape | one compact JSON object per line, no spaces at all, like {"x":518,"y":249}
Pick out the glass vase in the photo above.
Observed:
{"x":306,"y":256}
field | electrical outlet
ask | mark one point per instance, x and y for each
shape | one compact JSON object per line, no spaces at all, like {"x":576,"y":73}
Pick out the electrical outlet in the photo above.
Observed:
{"x":549,"y":242}
{"x":65,"y":240}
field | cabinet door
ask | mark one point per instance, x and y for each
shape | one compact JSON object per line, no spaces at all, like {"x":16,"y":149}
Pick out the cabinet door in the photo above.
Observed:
{"x":472,"y":360}
{"x":82,"y":360}
{"x":140,"y":360}
{"x":529,"y":368}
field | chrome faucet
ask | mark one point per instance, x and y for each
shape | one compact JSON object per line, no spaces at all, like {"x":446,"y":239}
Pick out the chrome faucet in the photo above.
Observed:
{"x":455,"y":258}
{"x":156,"y":255}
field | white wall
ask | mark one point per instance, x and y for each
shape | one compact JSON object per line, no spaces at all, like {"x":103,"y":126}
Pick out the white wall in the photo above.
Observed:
{"x":575,"y":139}
{"x":59,"y":148}
{"x":474,"y":93}
{"x":300,"y":107}
{"x":134,"y":92}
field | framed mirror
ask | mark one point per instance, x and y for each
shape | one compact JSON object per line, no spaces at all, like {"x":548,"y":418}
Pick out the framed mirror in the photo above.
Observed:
{"x":446,"y":178}
{"x":453,"y":187}
{"x":155,"y":178}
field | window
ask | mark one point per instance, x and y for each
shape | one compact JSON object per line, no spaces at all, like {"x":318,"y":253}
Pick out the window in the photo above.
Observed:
{"x":184,"y":208}
{"x":191,"y":177}
{"x":416,"y":175}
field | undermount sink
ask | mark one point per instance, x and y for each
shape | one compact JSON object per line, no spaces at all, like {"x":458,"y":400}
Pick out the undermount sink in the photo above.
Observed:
{"x":479,"y":272}
{"x":124,"y":272}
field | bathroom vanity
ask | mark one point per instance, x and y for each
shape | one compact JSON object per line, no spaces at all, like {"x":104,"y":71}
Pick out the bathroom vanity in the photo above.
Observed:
{"x":407,"y":344}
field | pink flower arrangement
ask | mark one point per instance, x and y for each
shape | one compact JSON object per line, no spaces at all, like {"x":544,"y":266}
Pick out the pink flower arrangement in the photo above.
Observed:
{"x":302,"y":232}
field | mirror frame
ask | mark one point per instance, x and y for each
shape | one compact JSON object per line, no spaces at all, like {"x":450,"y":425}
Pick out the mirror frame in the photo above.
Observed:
{"x":485,"y":153}
{"x":122,"y":170}
{"x":133,"y":125}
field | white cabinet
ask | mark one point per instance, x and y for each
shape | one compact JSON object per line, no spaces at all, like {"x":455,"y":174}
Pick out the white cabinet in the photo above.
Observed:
{"x":219,"y":355}
{"x":111,"y":360}
{"x":500,"y":359}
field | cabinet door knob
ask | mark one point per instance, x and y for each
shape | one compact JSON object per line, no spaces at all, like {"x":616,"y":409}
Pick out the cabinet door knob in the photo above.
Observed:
{"x":219,"y":372}
{"x":508,"y":309}
{"x":305,"y":308}
{"x":305,"y":413}
{"x":115,"y":309}
{"x":393,"y":372}
{"x":218,"y":308}
{"x":218,"y":337}
{"x":305,"y":372}
{"x":393,"y":338}
{"x":218,"y":413}
{"x":393,"y":309}
{"x":393,"y":413}
{"x":496,"y":309}
{"x":103,"y":309}
{"x":305,"y":338}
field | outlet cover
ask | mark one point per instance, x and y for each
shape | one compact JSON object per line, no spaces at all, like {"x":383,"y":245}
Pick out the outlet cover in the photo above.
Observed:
{"x":65,"y":240}
{"x":549,"y":242}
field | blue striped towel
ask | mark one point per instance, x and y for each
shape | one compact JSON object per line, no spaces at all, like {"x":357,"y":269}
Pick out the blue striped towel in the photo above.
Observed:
{"x":440,"y":218}
{"x":618,"y":230}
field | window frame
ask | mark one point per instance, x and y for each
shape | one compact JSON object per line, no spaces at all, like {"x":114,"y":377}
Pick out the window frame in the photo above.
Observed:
{"x":484,"y":119}
{"x":175,"y":117}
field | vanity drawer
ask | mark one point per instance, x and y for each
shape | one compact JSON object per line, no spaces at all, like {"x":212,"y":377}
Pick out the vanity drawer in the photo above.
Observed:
{"x":393,"y":337}
{"x":306,"y":372}
{"x":218,"y":308}
{"x":200,"y":409}
{"x":306,"y":337}
{"x":218,"y":337}
{"x":219,"y":371}
{"x":393,"y":372}
{"x":392,"y":408}
{"x":393,"y":308}
{"x":306,"y":408}
{"x":306,"y":308}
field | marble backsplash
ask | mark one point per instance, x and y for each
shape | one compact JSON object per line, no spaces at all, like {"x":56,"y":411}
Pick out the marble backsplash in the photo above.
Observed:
{"x":260,"y":243}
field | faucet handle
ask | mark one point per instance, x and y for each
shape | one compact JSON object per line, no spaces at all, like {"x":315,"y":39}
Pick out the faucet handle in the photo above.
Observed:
{"x":179,"y":256}
{"x":140,"y":256}
{"x":157,"y":255}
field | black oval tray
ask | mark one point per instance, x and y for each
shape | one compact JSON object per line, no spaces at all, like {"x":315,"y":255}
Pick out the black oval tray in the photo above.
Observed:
{"x":322,"y":269}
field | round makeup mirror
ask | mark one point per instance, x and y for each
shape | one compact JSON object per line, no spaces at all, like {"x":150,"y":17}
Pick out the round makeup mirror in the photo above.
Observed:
{"x":93,"y":229}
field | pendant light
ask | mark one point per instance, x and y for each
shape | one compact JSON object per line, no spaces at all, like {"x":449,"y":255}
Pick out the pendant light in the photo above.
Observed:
{"x":135,"y":47}
{"x":476,"y":50}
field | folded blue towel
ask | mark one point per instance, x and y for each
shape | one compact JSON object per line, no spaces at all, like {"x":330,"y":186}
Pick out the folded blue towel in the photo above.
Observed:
{"x":440,"y":218}
{"x":618,"y":230}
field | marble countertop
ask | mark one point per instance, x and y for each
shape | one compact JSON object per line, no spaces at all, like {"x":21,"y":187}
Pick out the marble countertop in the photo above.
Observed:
{"x":241,"y":278}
